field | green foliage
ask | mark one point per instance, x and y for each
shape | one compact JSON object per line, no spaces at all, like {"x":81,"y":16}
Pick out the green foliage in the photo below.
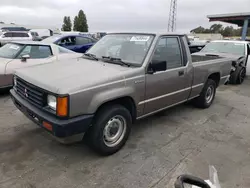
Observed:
{"x":80,"y":22}
{"x":75,"y":23}
{"x":67,"y":25}
{"x":218,"y":28}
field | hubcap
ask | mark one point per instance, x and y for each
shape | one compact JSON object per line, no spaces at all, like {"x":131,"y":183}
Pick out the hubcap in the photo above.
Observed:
{"x":114,"y":131}
{"x":209,"y":94}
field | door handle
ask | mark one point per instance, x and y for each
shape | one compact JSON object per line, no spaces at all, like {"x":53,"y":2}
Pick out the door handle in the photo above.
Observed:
{"x":181,"y":73}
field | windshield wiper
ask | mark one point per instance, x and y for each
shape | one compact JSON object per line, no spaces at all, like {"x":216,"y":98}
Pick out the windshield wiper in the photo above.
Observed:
{"x":91,"y":56}
{"x":116,"y":60}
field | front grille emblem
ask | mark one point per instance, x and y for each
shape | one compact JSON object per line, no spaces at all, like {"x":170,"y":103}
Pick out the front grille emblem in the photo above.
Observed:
{"x":26,"y":93}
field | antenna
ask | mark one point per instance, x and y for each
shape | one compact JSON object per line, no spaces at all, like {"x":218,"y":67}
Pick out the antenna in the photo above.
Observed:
{"x":172,"y":16}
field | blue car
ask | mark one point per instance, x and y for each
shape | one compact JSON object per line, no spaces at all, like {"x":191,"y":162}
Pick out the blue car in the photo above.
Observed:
{"x":76,"y":43}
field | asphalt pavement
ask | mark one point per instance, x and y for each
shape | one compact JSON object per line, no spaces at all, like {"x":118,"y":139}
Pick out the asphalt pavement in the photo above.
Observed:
{"x":183,"y":139}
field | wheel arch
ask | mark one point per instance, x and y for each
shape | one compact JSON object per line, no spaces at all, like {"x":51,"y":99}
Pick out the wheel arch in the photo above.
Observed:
{"x":126,"y":101}
{"x":215,"y":77}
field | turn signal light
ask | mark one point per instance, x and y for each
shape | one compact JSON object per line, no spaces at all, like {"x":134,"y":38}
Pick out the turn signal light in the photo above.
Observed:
{"x":47,"y":126}
{"x":62,"y":106}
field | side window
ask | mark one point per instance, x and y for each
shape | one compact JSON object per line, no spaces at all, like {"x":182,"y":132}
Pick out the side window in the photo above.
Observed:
{"x":168,"y":50}
{"x":25,"y":35}
{"x":67,"y":41}
{"x":26,"y":51}
{"x":17,"y":35}
{"x":36,"y":52}
{"x":82,"y":41}
{"x":8,"y":34}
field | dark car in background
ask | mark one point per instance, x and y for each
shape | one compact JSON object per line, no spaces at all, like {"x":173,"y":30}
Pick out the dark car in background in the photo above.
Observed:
{"x":198,"y":45}
{"x":76,"y":43}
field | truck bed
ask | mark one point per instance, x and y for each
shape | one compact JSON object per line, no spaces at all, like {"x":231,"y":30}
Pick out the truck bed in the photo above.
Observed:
{"x":199,"y":58}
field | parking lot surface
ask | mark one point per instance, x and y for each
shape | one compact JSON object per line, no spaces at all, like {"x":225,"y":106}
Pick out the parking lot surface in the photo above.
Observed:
{"x":180,"y":140}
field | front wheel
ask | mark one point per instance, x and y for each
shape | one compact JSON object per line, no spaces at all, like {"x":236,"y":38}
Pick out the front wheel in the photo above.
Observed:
{"x":207,"y":95}
{"x":238,"y":76}
{"x":110,"y":129}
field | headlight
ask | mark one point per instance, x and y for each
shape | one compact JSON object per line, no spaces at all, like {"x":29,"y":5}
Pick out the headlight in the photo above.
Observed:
{"x":14,"y":80}
{"x":52,"y":102}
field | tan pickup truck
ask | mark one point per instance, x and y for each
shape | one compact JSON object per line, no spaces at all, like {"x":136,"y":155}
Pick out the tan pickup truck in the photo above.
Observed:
{"x":122,"y":78}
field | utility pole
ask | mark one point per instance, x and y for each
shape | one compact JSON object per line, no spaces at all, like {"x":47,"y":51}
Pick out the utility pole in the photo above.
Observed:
{"x":172,"y":16}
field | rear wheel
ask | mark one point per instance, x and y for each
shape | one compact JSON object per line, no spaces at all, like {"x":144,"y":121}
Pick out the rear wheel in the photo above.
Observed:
{"x":207,"y":95}
{"x":110,"y":130}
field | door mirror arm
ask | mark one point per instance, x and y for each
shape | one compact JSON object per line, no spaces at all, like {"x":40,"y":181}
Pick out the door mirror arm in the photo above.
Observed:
{"x":150,"y":70}
{"x":24,"y":58}
{"x":157,"y":66}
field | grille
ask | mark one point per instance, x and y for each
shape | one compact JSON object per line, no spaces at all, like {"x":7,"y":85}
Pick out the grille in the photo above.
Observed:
{"x":31,"y":93}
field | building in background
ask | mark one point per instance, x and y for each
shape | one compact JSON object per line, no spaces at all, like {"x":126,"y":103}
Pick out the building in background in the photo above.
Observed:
{"x":240,"y":19}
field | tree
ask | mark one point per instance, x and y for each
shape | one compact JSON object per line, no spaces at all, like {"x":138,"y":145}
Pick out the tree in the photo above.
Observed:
{"x":67,"y":25}
{"x":81,"y":21}
{"x":216,"y":28}
{"x":75,"y":23}
{"x":228,"y":31}
{"x":198,"y":30}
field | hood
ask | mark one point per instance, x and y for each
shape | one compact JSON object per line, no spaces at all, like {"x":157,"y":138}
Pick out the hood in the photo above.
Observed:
{"x":233,"y":56}
{"x":3,"y":63}
{"x":68,"y":76}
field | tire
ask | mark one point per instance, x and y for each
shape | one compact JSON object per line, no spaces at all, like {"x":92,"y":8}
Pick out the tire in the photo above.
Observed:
{"x":238,"y":75}
{"x":100,"y":133}
{"x":204,"y":101}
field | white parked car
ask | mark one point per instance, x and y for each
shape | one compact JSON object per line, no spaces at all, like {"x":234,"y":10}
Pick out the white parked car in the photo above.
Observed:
{"x":240,"y":50}
{"x":16,"y":55}
{"x":10,"y":36}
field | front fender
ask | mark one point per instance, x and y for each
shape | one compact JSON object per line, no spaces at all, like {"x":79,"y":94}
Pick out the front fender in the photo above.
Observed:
{"x":109,"y":95}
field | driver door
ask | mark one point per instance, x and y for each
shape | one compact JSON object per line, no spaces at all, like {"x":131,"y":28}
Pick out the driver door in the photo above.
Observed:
{"x":169,"y":87}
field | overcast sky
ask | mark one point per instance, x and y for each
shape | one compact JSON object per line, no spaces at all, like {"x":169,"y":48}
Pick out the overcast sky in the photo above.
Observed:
{"x":118,"y":15}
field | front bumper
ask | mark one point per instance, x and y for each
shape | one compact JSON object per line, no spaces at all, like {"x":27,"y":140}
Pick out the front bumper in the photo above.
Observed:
{"x":61,"y":128}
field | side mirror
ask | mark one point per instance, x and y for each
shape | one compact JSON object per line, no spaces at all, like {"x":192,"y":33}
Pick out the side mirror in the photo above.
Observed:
{"x":25,"y":57}
{"x":191,"y":180}
{"x":156,"y":66}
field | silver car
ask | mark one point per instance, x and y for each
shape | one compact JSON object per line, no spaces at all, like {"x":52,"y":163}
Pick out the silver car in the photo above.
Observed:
{"x":10,"y":36}
{"x":16,"y":55}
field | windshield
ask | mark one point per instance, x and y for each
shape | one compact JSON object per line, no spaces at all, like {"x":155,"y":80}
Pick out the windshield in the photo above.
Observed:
{"x":10,"y":50}
{"x":51,"y":39}
{"x":64,"y":50}
{"x":130,"y":48}
{"x":225,"y":47}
